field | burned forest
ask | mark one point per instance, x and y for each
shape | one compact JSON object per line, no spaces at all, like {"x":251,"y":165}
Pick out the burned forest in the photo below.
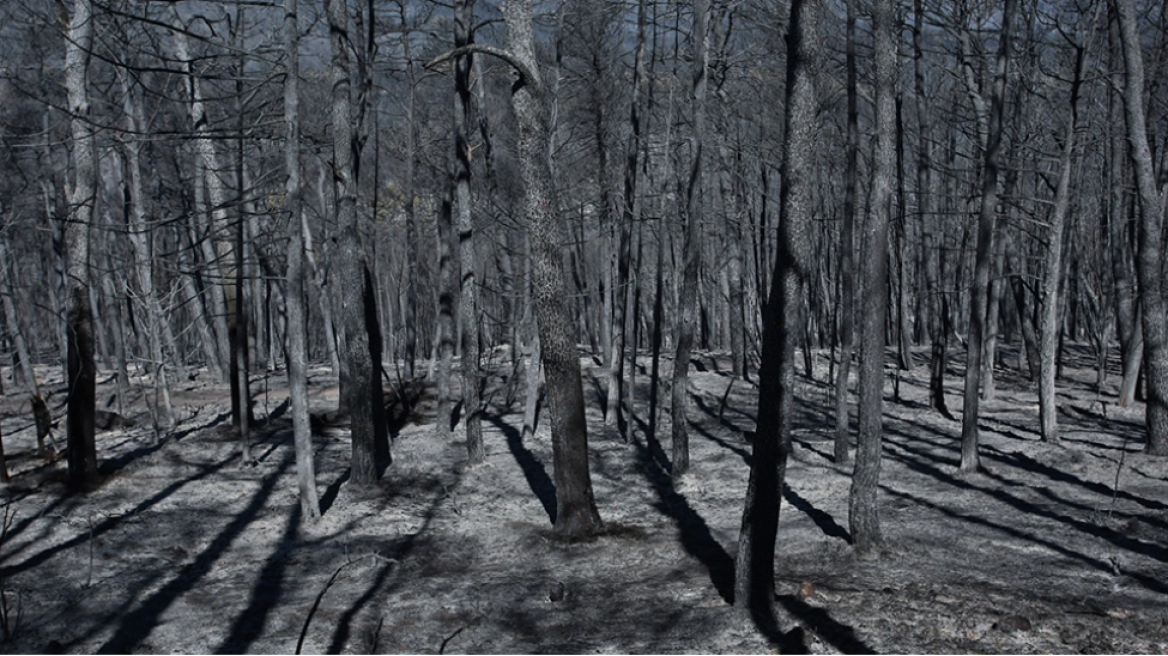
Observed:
{"x":581,"y":326}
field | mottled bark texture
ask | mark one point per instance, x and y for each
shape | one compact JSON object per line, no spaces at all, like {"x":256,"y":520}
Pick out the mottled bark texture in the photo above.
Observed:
{"x":576,"y":513}
{"x":467,"y":260}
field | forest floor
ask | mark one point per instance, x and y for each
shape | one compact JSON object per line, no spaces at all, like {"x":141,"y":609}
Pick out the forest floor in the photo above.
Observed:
{"x":1052,"y":548}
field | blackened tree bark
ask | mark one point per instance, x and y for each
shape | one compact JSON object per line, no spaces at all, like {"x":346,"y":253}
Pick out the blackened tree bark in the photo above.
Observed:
{"x":82,"y":456}
{"x":295,"y":306}
{"x":863,"y":511}
{"x":691,"y":253}
{"x":979,"y":293}
{"x":754,"y":572}
{"x":847,"y":285}
{"x":1149,"y":254}
{"x":364,"y":386}
{"x":447,"y":310}
{"x":468,"y":296}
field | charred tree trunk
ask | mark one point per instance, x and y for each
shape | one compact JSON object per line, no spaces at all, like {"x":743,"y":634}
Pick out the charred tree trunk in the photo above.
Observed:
{"x":363,"y":388}
{"x":1050,"y":324}
{"x":863,"y":511}
{"x":691,"y":258}
{"x":296,"y":275}
{"x":82,"y":196}
{"x":1149,"y":254}
{"x":979,"y":293}
{"x":847,"y":284}
{"x":468,"y":296}
{"x":754,"y":571}
{"x":1121,"y":225}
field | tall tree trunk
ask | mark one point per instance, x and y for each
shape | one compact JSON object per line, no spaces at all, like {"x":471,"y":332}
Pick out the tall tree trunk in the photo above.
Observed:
{"x":82,"y":197}
{"x":576,"y":513}
{"x":993,"y":317}
{"x":979,"y":293}
{"x":1149,"y":256}
{"x":847,"y":283}
{"x":863,"y":511}
{"x":617,"y":412}
{"x":296,"y":292}
{"x":447,"y":312}
{"x":468,"y":297}
{"x":1050,"y":324}
{"x":1121,"y":226}
{"x":363,"y":388}
{"x":754,"y":571}
{"x":692,"y":250}
{"x":903,"y":245}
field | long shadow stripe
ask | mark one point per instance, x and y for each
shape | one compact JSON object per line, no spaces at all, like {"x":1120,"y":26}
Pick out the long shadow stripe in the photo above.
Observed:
{"x":136,"y":626}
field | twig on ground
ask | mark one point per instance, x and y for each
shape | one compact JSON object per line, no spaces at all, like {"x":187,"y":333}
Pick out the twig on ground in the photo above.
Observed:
{"x":452,"y":636}
{"x":316,"y":604}
{"x":328,"y":584}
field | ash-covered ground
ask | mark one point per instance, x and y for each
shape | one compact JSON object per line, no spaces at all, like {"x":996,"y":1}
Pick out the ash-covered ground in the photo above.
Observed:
{"x":1053,"y":548}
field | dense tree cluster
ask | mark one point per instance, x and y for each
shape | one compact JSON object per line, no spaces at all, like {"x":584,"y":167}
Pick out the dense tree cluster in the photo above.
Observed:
{"x":407,"y":189}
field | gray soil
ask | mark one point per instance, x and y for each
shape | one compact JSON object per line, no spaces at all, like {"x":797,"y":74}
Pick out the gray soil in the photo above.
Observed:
{"x":1052,"y":548}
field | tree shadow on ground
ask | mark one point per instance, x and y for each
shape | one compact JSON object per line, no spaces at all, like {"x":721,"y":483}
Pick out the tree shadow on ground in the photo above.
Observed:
{"x":533,"y":470}
{"x":699,"y":542}
{"x":695,"y":535}
{"x":1013,"y":459}
{"x":266,"y":594}
{"x":917,"y":460}
{"x":736,"y":450}
{"x":1148,"y":582}
{"x":840,"y":636}
{"x":137,"y":625}
{"x":822,"y":519}
{"x":389,"y":555}
{"x":330,"y":493}
{"x":108,"y":524}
